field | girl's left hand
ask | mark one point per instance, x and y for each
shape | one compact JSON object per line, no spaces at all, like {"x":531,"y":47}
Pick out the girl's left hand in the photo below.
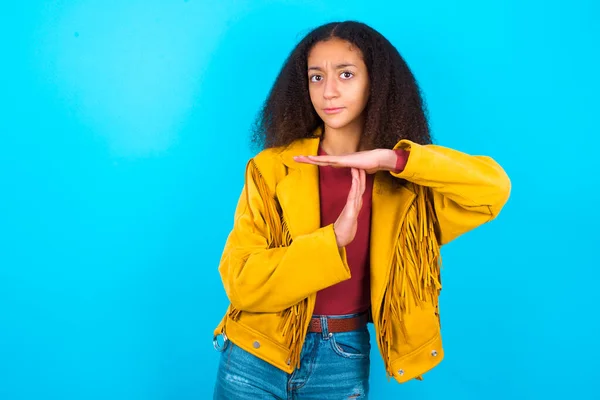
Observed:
{"x":370,"y":161}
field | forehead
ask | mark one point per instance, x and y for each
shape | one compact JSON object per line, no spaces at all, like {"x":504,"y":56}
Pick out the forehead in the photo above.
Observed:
{"x":334,"y":51}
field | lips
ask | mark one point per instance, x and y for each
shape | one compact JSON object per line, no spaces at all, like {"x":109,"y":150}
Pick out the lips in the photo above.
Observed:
{"x":332,"y":110}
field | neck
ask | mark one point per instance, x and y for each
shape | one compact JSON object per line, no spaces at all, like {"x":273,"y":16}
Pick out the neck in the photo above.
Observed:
{"x":346,"y":140}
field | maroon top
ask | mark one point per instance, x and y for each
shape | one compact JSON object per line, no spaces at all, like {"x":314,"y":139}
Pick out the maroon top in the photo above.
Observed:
{"x":352,"y":295}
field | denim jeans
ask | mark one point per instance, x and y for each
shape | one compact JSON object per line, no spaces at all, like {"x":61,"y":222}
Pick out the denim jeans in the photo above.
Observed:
{"x":333,"y":366}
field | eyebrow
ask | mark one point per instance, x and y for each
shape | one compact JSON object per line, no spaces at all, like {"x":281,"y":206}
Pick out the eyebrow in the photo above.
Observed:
{"x":338,"y":66}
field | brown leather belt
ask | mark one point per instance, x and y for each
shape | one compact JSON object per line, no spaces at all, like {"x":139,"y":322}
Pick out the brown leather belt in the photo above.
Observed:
{"x":336,"y":325}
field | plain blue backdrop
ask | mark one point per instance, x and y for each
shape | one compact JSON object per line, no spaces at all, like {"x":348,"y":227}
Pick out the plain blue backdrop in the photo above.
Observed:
{"x":123,"y":138}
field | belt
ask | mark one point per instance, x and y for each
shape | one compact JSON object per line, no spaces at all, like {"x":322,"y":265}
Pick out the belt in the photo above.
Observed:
{"x":336,"y":325}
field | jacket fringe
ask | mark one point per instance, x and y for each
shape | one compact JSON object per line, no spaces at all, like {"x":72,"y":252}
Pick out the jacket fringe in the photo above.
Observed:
{"x":294,"y":321}
{"x":414,"y":276}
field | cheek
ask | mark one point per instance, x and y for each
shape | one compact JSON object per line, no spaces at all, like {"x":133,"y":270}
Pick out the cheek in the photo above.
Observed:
{"x":364,"y":92}
{"x":314,"y":96}
{"x":364,"y":99}
{"x":360,"y":96}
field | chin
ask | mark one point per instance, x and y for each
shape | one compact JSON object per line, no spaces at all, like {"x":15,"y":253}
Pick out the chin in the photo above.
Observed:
{"x":335,"y":126}
{"x":334,"y":123}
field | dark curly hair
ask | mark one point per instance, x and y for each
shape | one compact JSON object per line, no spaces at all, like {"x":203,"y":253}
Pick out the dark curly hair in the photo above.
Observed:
{"x":394,"y":111}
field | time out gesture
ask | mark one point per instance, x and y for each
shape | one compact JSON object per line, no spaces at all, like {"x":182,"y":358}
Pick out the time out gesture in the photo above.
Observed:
{"x":361,"y":163}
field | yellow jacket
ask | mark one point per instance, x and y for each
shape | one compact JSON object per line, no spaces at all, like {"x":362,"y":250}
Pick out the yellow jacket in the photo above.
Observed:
{"x":278,"y":256}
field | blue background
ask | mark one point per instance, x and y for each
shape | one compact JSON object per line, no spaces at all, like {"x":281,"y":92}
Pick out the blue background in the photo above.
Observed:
{"x":123,"y":137}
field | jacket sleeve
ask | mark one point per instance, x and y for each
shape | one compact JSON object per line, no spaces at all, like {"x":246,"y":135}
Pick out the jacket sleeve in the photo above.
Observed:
{"x":259,"y":276}
{"x":468,"y":190}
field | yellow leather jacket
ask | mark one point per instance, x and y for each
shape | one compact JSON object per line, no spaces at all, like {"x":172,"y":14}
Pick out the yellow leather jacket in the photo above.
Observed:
{"x":278,"y":256}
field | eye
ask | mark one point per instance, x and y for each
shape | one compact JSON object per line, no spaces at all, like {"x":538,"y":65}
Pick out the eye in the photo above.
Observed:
{"x":315,"y":78}
{"x":346,"y":75}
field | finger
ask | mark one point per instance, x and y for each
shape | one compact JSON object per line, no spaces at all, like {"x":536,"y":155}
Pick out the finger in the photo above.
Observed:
{"x":322,"y":164}
{"x":363,"y":181}
{"x":326,"y":159}
{"x":361,"y":187}
{"x":307,"y":160}
{"x":353,"y":194}
{"x":334,"y":164}
{"x":355,"y":183}
{"x":358,"y":197}
{"x":355,"y":174}
{"x":318,"y":159}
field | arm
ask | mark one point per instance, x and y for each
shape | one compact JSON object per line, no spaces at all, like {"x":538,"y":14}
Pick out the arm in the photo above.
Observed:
{"x":258,"y":278}
{"x":468,"y":190}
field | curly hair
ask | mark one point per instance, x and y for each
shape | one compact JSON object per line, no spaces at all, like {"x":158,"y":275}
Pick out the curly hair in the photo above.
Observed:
{"x":395,"y":109}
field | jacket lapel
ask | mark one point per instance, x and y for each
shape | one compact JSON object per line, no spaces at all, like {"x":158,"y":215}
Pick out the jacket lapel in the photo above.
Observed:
{"x":298,"y":192}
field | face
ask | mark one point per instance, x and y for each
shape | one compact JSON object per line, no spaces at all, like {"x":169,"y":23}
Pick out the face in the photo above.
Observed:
{"x":338,"y":83}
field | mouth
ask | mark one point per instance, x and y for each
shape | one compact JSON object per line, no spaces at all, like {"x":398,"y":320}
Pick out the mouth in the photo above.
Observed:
{"x":332,"y":110}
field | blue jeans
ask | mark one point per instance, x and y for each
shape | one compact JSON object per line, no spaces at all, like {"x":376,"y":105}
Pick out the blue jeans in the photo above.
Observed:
{"x":333,"y":366}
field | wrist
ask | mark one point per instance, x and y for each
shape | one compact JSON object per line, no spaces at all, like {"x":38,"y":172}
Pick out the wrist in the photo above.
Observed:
{"x":389,"y":160}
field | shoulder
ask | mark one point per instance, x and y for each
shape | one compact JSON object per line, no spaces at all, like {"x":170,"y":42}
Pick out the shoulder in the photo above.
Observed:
{"x":269,"y":158}
{"x":274,"y":163}
{"x":282,"y":156}
{"x":268,"y":166}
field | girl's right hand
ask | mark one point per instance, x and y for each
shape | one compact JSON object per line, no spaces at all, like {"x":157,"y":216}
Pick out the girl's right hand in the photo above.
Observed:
{"x":347,"y":223}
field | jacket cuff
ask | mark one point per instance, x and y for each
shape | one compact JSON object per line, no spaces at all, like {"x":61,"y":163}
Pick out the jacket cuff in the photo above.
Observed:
{"x":401,"y":160}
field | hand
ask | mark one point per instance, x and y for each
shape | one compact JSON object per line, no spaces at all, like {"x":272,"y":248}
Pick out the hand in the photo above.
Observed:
{"x":347,"y":223}
{"x":370,"y":161}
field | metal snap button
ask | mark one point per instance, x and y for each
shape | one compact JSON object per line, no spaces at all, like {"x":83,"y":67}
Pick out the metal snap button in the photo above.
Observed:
{"x":400,"y":372}
{"x":434,"y":353}
{"x":256,"y":344}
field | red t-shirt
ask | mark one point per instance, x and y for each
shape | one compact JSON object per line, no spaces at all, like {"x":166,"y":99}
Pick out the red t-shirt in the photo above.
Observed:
{"x":352,"y":295}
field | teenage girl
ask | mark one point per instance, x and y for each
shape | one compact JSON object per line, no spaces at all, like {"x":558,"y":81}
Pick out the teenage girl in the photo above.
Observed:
{"x":340,"y":224}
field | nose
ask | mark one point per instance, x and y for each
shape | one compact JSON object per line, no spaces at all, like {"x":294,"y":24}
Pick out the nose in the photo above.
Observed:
{"x":330,"y":90}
